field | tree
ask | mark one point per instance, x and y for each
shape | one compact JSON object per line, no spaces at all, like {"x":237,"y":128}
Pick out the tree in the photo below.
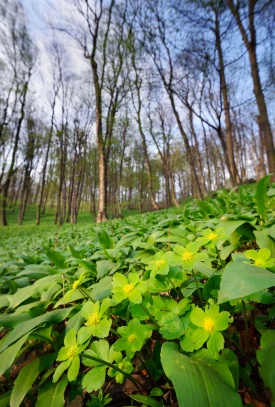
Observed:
{"x":137,"y":83}
{"x":21,"y":54}
{"x":158,"y":46}
{"x":102,"y":33}
{"x":163,"y":138}
{"x":244,"y":13}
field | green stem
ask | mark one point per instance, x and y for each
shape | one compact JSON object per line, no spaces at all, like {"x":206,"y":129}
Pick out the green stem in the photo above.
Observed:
{"x":177,"y":291}
{"x":198,"y":289}
{"x":114,"y":332}
{"x":104,"y":362}
{"x":149,"y":315}
{"x":85,"y":294}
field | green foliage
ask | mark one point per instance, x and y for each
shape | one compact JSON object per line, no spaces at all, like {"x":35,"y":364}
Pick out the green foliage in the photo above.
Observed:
{"x":167,"y":294}
{"x":199,"y":380}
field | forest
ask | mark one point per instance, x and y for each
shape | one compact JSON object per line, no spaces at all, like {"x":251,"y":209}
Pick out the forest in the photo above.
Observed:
{"x":137,"y":200}
{"x":132,"y":105}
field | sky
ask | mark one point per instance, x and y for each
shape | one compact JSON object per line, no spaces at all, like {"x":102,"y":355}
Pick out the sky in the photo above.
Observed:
{"x":38,"y":12}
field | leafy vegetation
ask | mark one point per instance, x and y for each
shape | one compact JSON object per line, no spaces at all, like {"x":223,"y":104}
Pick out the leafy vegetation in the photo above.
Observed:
{"x":167,"y":308}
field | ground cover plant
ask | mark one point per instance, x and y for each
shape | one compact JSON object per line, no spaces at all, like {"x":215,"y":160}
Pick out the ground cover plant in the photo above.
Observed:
{"x":171,"y":308}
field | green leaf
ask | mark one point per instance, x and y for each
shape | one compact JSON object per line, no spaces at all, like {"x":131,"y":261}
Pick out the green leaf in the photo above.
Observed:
{"x":5,"y":399}
{"x":157,"y":392}
{"x":106,"y":242}
{"x":240,"y":279}
{"x":42,"y":334}
{"x":9,"y":355}
{"x":88,"y":265}
{"x":226,"y":251}
{"x":56,"y":258}
{"x":74,"y":368}
{"x":10,"y":321}
{"x":146,"y":400}
{"x":172,"y":327}
{"x":199,"y":380}
{"x":94,"y":379}
{"x":102,"y":289}
{"x":53,"y":317}
{"x":266,"y":357}
{"x":27,"y":376}
{"x":260,"y":198}
{"x":229,"y":357}
{"x":52,"y":394}
{"x":76,"y":254}
{"x":103,"y":267}
{"x":264,"y":241}
{"x":35,"y":290}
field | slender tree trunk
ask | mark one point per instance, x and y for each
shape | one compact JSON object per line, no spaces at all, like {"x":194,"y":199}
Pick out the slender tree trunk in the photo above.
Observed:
{"x":251,"y":44}
{"x":187,"y":147}
{"x":198,"y":155}
{"x":233,"y":172}
{"x":14,"y":153}
{"x":143,"y":138}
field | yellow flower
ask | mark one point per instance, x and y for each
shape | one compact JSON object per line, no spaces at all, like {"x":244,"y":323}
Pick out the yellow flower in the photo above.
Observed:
{"x":208,"y":324}
{"x":93,"y":319}
{"x":76,"y":284}
{"x":212,"y":236}
{"x":132,"y":338}
{"x":160,"y":263}
{"x":128,"y":288}
{"x":187,"y":256}
{"x":72,"y":352}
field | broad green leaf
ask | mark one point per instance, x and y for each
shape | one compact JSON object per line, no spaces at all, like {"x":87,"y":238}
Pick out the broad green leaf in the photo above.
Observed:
{"x":5,"y":399}
{"x":171,"y":326}
{"x":5,"y":300}
{"x":10,"y":321}
{"x":203,"y":269}
{"x":152,"y":238}
{"x":102,"y":289}
{"x":35,"y":290}
{"x":199,"y":380}
{"x":88,"y":265}
{"x":260,"y":198}
{"x":52,"y":394}
{"x":106,"y":242}
{"x":264,"y":241}
{"x":53,"y":317}
{"x":229,"y":357}
{"x":56,"y":258}
{"x":75,"y":322}
{"x":146,"y":400}
{"x":266,"y":358}
{"x":94,"y":379}
{"x":206,"y":208}
{"x":103,"y":267}
{"x":240,"y":279}
{"x":27,"y":376}
{"x":230,"y":226}
{"x":76,"y":254}
{"x":74,"y":368}
{"x":42,"y":334}
{"x":70,"y":297}
{"x":9,"y":355}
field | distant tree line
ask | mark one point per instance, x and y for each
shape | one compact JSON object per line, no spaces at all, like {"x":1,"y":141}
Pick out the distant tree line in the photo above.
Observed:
{"x":176,"y":99}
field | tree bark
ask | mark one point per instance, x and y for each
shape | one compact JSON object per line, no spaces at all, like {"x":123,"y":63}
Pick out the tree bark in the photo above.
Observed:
{"x":251,"y":46}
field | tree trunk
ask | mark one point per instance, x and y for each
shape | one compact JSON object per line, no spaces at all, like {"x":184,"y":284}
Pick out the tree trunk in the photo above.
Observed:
{"x":14,"y":153}
{"x":233,"y":172}
{"x":251,"y":44}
